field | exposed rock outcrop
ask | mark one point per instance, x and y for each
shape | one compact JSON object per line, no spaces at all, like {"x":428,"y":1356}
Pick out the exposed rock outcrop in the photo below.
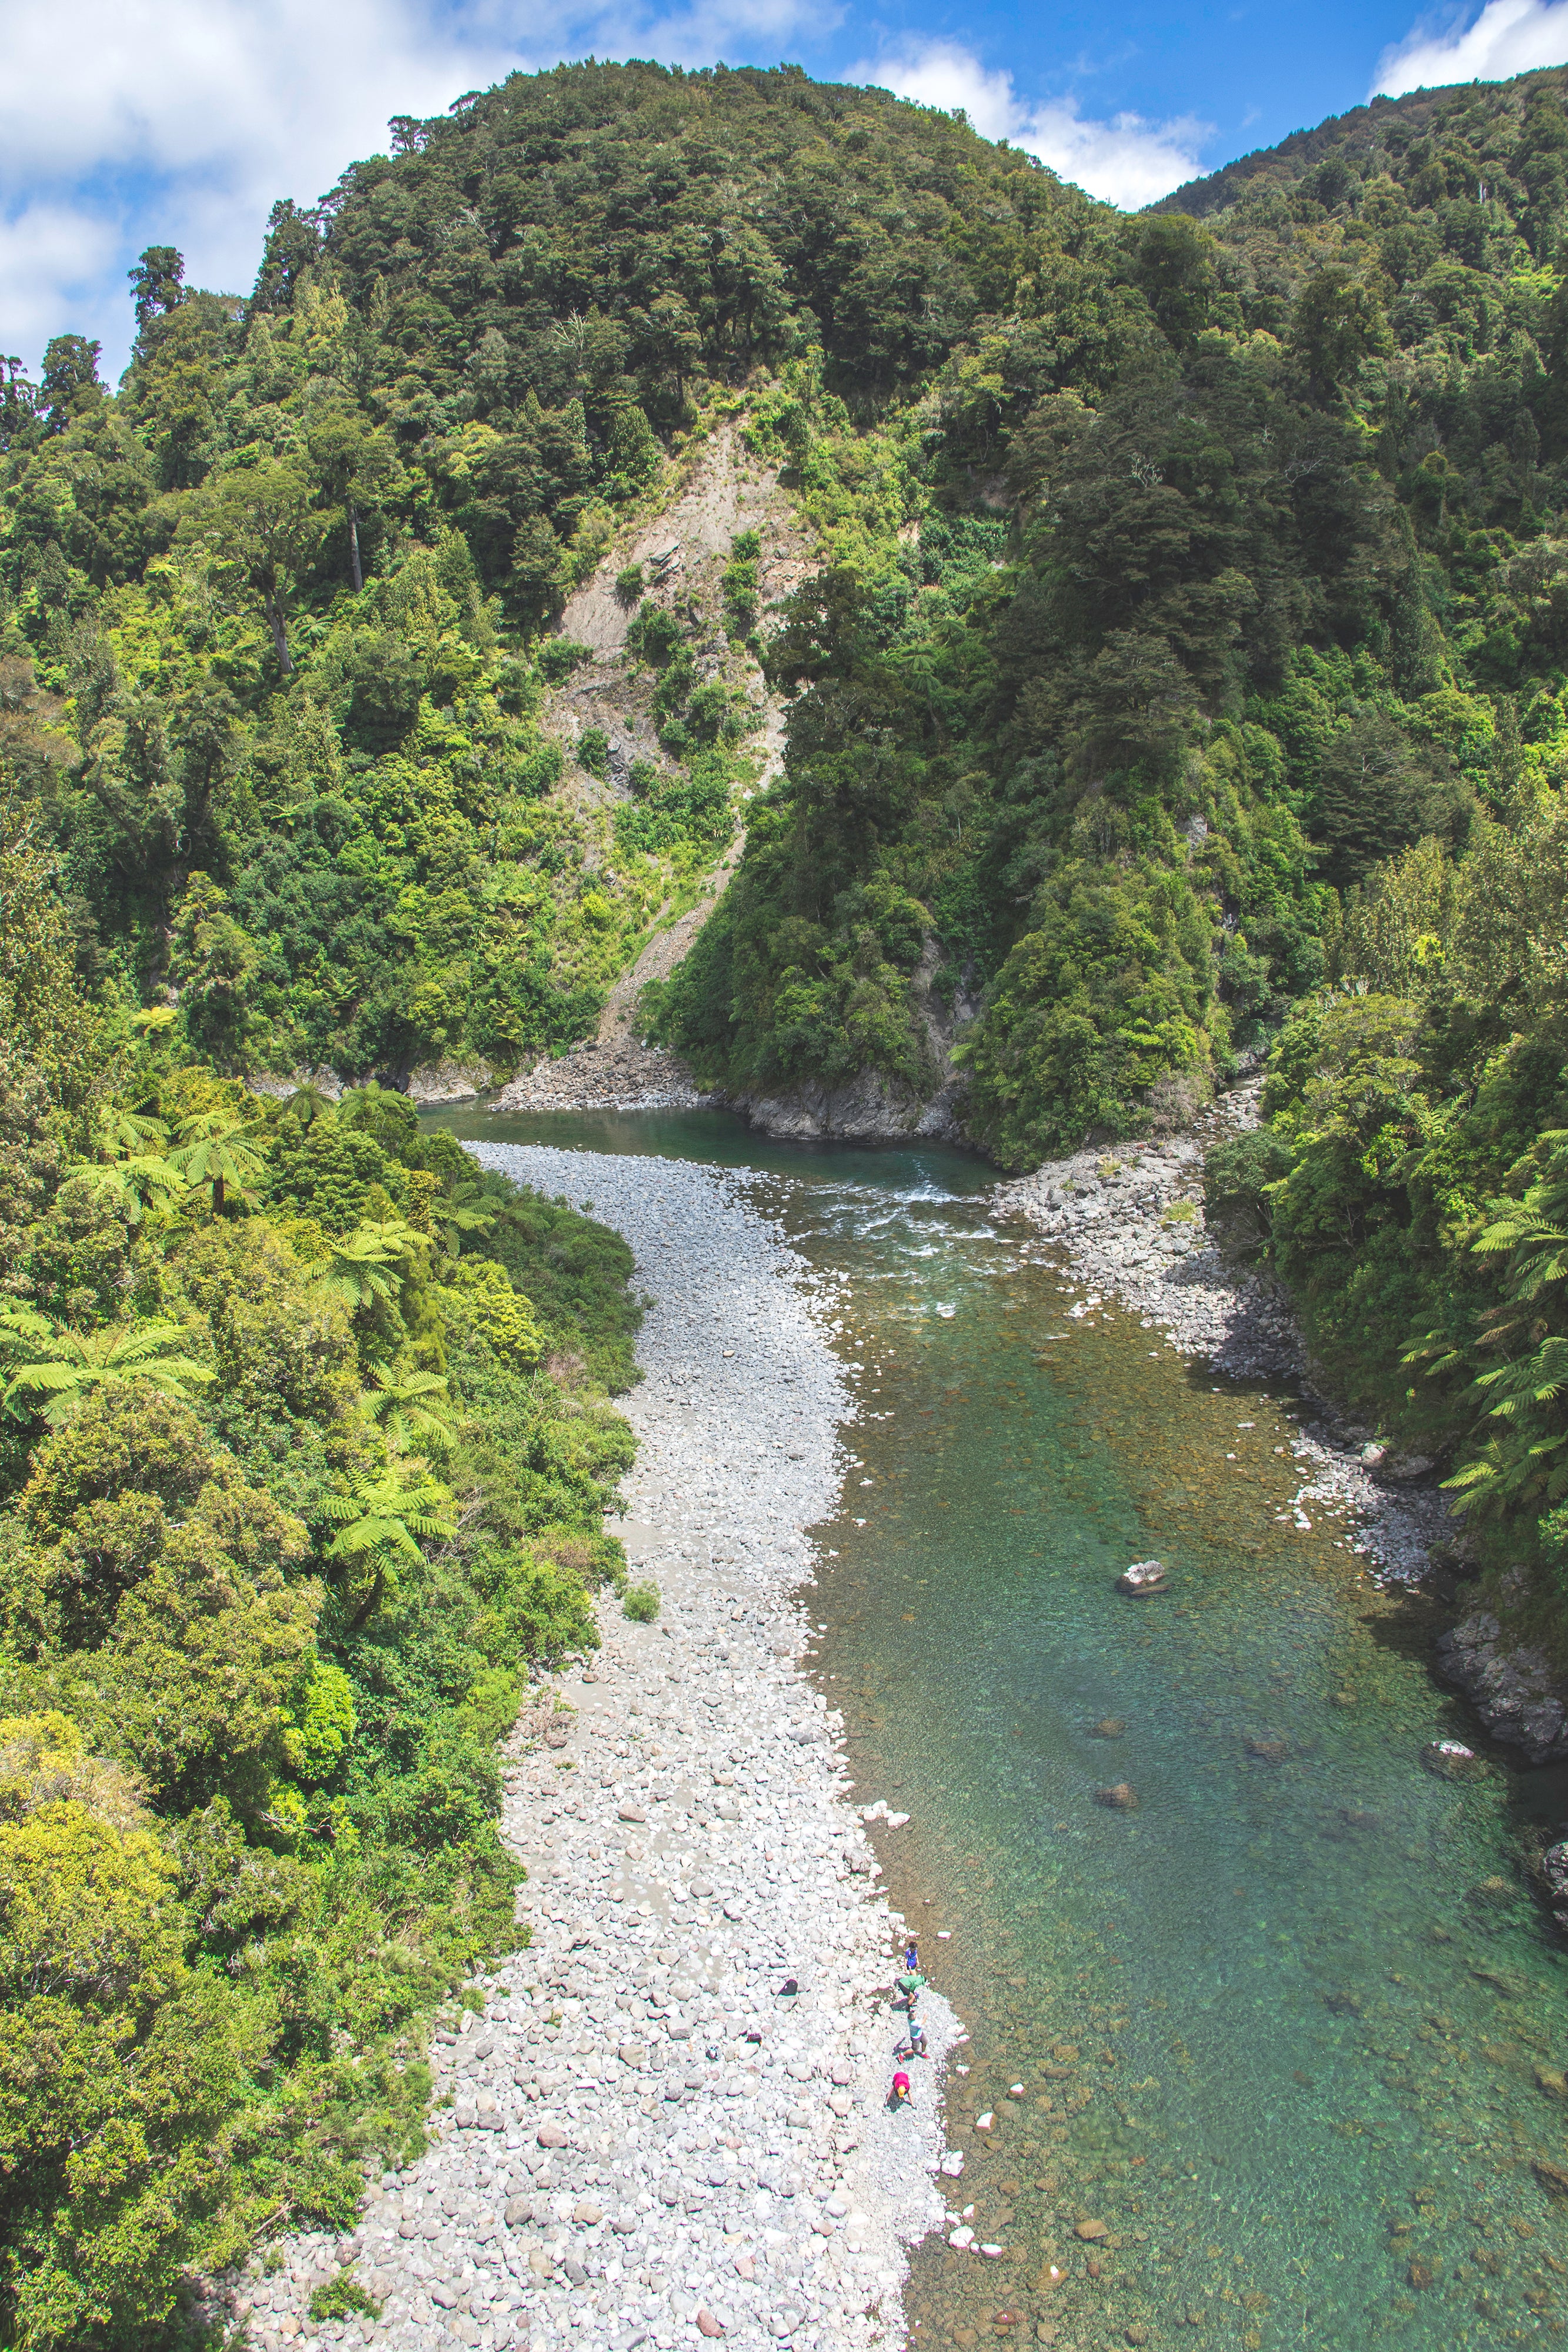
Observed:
{"x":1508,"y":1684}
{"x":446,"y":1082}
{"x":613,"y":1073}
{"x":869,"y":1108}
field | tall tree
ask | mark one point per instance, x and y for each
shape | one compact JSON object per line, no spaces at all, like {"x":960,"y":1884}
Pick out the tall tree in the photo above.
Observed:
{"x":157,"y":284}
{"x":261,"y":521}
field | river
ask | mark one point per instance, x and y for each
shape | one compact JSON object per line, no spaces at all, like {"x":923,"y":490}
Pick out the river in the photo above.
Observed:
{"x":1288,"y":2025}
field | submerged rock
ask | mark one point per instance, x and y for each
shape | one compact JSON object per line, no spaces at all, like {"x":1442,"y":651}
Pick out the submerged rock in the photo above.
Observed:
{"x":1404,"y":1467}
{"x":1267,"y":1751}
{"x":1510,"y":1685}
{"x":1450,"y":1760}
{"x":1109,"y":1726}
{"x":1122,"y":1799}
{"x":1554,"y":1873}
{"x":1144,"y":1576}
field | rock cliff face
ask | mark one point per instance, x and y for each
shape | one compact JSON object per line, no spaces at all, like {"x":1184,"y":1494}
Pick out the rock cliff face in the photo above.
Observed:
{"x":1509,"y":1684}
{"x":447,"y":1082}
{"x":871,"y":1107}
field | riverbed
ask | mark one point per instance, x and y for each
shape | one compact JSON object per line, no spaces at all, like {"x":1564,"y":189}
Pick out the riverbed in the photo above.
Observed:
{"x":1270,"y":2038}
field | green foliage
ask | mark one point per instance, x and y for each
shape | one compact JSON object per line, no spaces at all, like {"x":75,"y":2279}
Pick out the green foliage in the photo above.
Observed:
{"x":1183,"y":677}
{"x":559,"y":656}
{"x":51,"y":1368}
{"x":1266,"y":615}
{"x":1527,"y":1462}
{"x":343,"y":2298}
{"x":741,"y":586}
{"x":498,"y":1313}
{"x":641,"y":1604}
{"x":1237,"y":1177}
{"x":1409,"y":1185}
{"x":255,"y":1652}
{"x":278,"y":677}
{"x":691,"y":809}
{"x":120,"y":2057}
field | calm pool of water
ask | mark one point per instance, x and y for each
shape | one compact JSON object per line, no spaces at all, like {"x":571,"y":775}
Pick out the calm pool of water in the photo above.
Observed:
{"x":1287,"y":2024}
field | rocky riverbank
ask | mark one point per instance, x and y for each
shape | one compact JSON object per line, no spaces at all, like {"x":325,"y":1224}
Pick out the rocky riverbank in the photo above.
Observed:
{"x":616,"y":1072}
{"x":668,"y":2124}
{"x":1132,"y":1225}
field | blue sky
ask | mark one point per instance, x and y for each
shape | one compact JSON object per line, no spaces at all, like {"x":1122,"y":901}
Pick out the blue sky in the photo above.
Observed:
{"x":129,"y":123}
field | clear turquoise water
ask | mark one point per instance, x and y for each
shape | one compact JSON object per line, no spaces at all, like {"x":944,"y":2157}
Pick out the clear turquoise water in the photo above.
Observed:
{"x":1280,"y":2027}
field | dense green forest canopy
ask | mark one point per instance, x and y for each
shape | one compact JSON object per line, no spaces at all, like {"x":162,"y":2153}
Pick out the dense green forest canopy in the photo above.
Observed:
{"x":1178,"y":675}
{"x":1208,"y":708}
{"x":1228,"y":573}
{"x":305,"y":1449}
{"x":271,"y":615}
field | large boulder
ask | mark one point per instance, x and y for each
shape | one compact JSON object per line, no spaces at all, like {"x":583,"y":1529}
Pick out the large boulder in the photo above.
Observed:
{"x":1555,"y":1876}
{"x":1508,"y":1684}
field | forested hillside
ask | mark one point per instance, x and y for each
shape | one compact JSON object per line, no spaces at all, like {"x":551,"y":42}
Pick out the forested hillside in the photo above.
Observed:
{"x":1216,"y":688}
{"x":272,"y":614}
{"x":1177,"y":674}
{"x":304,"y":1457}
{"x":304,"y":1440}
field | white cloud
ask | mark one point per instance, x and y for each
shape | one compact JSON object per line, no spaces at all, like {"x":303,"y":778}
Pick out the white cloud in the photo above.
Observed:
{"x":1124,"y":159}
{"x":940,"y":73}
{"x":1509,"y":36}
{"x":129,"y":123}
{"x":52,"y":258}
{"x":178,"y":121}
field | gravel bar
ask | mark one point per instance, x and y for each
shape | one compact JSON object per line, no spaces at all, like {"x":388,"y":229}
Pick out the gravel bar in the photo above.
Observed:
{"x":650,"y":2141}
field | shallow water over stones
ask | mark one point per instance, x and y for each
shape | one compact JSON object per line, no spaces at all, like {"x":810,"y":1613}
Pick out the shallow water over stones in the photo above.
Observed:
{"x":1287,"y":2026}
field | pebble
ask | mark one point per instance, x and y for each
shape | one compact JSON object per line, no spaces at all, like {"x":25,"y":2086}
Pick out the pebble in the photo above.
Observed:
{"x":1114,"y":1215}
{"x":646,"y":2143}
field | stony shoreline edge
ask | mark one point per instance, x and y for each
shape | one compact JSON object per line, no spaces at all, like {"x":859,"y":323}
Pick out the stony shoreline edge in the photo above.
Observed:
{"x":1130,"y":1222}
{"x":649,"y":2142}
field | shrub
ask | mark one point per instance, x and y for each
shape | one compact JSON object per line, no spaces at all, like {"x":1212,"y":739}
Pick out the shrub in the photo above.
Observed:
{"x":500,"y":1314}
{"x":341,"y":2297}
{"x":641,"y":1604}
{"x":654,"y":635}
{"x":1237,"y":1176}
{"x":559,"y":656}
{"x":740,"y":585}
{"x":629,"y":585}
{"x":593,"y":752}
{"x":534,"y":776}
